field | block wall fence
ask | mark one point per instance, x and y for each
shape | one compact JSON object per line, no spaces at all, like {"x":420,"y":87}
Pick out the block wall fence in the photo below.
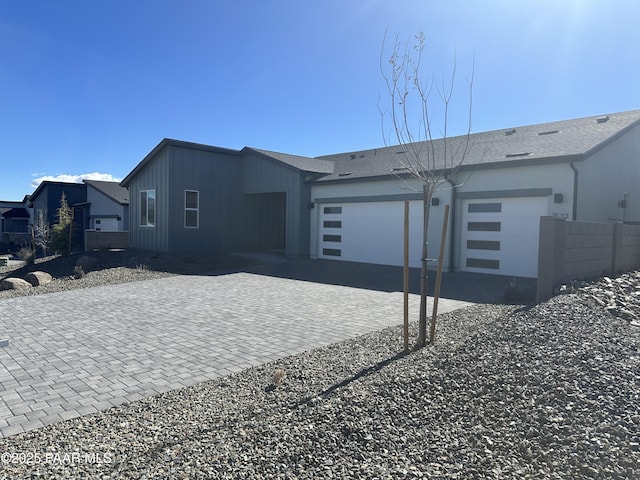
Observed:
{"x":580,"y":250}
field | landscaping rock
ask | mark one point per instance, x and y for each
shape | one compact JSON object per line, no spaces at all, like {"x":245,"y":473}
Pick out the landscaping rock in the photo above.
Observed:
{"x":506,"y":392}
{"x":14,"y":284}
{"x":87,"y":263}
{"x":38,"y":278}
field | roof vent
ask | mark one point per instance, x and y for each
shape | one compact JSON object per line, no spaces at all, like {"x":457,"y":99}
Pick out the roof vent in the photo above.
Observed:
{"x":602,"y":119}
{"x":512,"y":155}
{"x":400,"y":152}
{"x":399,"y":169}
{"x":510,"y":132}
{"x":549,"y":132}
{"x":353,"y":156}
{"x":346,"y":174}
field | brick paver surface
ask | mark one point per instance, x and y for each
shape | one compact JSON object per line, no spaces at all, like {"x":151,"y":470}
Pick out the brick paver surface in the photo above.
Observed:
{"x":77,"y":352}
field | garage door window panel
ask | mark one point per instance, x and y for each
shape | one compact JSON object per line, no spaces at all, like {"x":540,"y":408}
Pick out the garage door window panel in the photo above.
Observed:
{"x":332,"y":224}
{"x":484,"y":226}
{"x":332,"y":238}
{"x":483,"y":245}
{"x":483,"y":263}
{"x":485,"y":208}
{"x":332,"y":210}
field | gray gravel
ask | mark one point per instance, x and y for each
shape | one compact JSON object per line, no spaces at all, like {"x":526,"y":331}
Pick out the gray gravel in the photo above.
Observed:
{"x":91,"y":279}
{"x":551,"y":391}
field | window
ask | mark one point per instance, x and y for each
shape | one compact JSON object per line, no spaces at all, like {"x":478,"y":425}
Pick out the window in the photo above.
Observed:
{"x":147,"y":208}
{"x":483,"y":244}
{"x":483,"y":226}
{"x":332,"y":210}
{"x":332,"y":238}
{"x":485,"y":207}
{"x":332,"y":224}
{"x":483,"y":263}
{"x":191,"y":209}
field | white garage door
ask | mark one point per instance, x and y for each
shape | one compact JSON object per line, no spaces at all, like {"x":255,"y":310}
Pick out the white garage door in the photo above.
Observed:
{"x":369,"y":232}
{"x":106,"y":224}
{"x":500,"y":235}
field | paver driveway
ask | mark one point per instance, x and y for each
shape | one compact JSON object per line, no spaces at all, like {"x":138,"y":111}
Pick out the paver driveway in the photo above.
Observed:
{"x":77,"y":352}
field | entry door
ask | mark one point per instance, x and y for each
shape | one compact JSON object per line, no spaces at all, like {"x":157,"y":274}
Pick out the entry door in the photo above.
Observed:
{"x":500,"y":235}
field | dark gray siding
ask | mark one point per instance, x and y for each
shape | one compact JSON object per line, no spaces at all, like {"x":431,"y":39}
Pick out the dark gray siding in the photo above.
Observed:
{"x":154,"y":176}
{"x":215,"y":176}
{"x":263,"y":175}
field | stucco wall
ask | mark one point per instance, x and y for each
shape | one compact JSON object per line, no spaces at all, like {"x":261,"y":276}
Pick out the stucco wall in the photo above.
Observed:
{"x":606,"y":175}
{"x":102,"y":206}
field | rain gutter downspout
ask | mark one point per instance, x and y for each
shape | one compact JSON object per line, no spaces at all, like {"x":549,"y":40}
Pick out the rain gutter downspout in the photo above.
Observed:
{"x":575,"y":191}
{"x":452,"y":236}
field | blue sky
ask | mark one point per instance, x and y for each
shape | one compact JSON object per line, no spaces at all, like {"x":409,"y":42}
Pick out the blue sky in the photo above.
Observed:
{"x":88,"y":88}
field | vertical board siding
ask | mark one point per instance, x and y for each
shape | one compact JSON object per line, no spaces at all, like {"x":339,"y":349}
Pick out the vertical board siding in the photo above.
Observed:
{"x":214,"y":175}
{"x":263,"y":175}
{"x":154,"y":176}
{"x":225,"y":181}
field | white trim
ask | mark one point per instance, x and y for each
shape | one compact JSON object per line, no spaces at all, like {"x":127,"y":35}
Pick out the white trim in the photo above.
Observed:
{"x":155,"y":209}
{"x":191,"y":209}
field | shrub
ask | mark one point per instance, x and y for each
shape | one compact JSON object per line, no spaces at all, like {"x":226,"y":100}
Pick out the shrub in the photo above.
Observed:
{"x":61,"y":231}
{"x":78,"y":272}
{"x":27,"y":254}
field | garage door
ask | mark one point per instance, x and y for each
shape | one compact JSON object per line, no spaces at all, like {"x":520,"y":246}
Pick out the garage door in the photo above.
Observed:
{"x":369,"y":232}
{"x":106,"y":224}
{"x":500,"y":235}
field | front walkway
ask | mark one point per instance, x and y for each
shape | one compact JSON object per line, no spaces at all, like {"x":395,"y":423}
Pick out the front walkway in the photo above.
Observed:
{"x":77,"y":352}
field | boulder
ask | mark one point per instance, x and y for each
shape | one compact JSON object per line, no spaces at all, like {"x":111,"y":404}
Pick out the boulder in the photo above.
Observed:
{"x":87,"y":262}
{"x":38,"y":278}
{"x":14,"y":284}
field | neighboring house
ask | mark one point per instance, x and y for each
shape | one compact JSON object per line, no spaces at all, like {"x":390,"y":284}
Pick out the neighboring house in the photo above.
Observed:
{"x":45,"y":202}
{"x":14,"y":223}
{"x":349,"y":206}
{"x":108,"y":206}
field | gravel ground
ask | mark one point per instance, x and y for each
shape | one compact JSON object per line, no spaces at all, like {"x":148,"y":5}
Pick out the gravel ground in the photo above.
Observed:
{"x":549,"y":391}
{"x":108,"y":267}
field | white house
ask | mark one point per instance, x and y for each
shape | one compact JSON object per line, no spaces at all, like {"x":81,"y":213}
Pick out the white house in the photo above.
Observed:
{"x":585,"y":169}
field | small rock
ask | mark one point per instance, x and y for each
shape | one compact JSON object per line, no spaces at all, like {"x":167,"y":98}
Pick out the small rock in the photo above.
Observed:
{"x":87,"y":262}
{"x":14,"y":284}
{"x":279,"y":376}
{"x":38,"y":278}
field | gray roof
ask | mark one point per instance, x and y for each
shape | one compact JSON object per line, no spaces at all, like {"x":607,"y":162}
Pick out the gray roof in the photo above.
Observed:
{"x":305,"y":164}
{"x":548,"y":142}
{"x":563,"y":141}
{"x":112,"y":190}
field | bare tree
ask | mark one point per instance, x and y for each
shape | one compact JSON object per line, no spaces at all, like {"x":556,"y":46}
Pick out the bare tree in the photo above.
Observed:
{"x":40,"y":233}
{"x":431,"y":160}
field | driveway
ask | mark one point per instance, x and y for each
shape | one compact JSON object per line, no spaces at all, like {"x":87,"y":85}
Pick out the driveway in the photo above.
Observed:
{"x":78,"y":352}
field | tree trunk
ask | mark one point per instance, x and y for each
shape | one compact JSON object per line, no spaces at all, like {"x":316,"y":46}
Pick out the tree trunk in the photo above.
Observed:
{"x":422,"y":320}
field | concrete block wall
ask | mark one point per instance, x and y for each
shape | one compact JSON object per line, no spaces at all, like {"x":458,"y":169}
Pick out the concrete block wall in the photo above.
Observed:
{"x":97,"y":240}
{"x":627,"y":248}
{"x":588,"y":250}
{"x":579,"y":250}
